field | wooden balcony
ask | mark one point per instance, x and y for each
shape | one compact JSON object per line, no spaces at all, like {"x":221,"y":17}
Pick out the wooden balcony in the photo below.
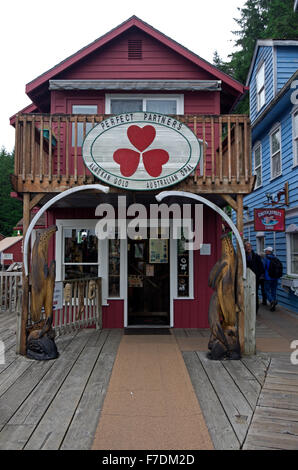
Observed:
{"x":48,"y":153}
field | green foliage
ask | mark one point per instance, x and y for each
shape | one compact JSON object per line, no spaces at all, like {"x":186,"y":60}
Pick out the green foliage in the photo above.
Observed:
{"x":10,"y":209}
{"x":259,"y":19}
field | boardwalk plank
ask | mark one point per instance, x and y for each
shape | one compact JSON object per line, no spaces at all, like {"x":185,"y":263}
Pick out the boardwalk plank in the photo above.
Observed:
{"x":257,"y":365}
{"x":12,"y":399}
{"x":234,"y":403}
{"x":244,"y":379}
{"x":53,"y":426}
{"x":22,"y":424}
{"x":80,"y":434}
{"x":219,"y":427}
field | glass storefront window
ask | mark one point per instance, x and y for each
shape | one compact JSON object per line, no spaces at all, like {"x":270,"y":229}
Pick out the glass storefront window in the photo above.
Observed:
{"x":80,"y":253}
{"x":114,"y":268}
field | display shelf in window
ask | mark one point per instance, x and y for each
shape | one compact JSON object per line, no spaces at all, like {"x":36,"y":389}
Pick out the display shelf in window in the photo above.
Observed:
{"x":114,"y":268}
{"x":182,"y":269}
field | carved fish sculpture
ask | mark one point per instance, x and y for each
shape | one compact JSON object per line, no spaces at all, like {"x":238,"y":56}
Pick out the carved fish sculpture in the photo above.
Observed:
{"x":43,"y":280}
{"x":223,"y":307}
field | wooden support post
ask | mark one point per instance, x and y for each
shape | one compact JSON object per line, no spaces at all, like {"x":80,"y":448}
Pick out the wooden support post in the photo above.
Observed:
{"x":250,"y":313}
{"x":240,"y":284}
{"x":21,"y":348}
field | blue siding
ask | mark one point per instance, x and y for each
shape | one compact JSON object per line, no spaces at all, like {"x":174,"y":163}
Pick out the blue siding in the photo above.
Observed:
{"x":265,"y":54}
{"x":287,"y":64}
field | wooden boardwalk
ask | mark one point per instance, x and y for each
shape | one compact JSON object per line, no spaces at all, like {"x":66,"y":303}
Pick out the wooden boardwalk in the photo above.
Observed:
{"x":247,"y":404}
{"x":55,"y":404}
{"x":227,"y":391}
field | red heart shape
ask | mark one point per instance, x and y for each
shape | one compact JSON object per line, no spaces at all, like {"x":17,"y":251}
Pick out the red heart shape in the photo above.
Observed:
{"x":153,"y":161}
{"x":141,"y":137}
{"x":128,"y":161}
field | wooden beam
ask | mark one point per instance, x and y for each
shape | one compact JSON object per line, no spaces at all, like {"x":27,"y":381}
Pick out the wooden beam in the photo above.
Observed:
{"x":25,"y":302}
{"x":35,"y":200}
{"x":230,"y":201}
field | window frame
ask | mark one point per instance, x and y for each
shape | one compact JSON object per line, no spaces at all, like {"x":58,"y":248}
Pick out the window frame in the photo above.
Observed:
{"x":145,"y":96}
{"x":81,"y":124}
{"x":262,"y":89}
{"x":289,"y":254}
{"x":276,"y":128}
{"x":257,"y":146}
{"x":295,"y":136}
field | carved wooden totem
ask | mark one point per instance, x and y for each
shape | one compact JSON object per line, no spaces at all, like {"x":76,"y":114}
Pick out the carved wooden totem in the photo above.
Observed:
{"x":43,"y":282}
{"x":223,"y":308}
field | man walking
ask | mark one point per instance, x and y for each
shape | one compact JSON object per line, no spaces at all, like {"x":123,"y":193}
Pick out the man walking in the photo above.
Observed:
{"x":270,"y":283}
{"x":254,"y":262}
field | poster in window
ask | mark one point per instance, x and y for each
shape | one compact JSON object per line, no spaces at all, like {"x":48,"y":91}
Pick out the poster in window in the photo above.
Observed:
{"x":158,"y":251}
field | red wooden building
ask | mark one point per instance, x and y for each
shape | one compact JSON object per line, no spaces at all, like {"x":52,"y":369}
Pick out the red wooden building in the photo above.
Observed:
{"x":131,"y":70}
{"x":11,"y":251}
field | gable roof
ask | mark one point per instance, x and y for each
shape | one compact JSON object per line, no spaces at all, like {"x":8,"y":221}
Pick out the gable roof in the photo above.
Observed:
{"x":8,"y":242}
{"x":268,"y":43}
{"x":123,"y":27}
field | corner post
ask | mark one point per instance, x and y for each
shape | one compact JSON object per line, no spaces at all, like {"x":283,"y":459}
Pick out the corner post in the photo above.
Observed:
{"x":21,"y":348}
{"x":240,"y":284}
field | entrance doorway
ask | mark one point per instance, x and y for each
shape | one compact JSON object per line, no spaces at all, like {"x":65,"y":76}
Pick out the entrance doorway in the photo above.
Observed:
{"x":148,"y":282}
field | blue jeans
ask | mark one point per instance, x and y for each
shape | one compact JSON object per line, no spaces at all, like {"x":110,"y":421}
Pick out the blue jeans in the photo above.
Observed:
{"x":270,"y":289}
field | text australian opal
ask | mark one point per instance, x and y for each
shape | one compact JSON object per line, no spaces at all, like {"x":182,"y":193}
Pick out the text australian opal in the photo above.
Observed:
{"x":141,"y":151}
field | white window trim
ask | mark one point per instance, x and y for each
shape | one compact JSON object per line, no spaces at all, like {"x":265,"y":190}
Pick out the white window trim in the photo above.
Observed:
{"x":276,"y":127}
{"x":174,"y":277}
{"x":256,"y":146}
{"x":144,"y":96}
{"x":288,"y":244}
{"x":294,"y":137}
{"x":261,"y":65}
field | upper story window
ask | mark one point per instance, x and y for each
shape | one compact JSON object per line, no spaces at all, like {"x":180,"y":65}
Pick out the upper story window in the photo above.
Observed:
{"x":163,"y":104}
{"x":258,"y":165}
{"x":260,"y":84}
{"x":78,"y":137}
{"x":295,"y":136}
{"x":275,"y":151}
{"x":293,"y":254}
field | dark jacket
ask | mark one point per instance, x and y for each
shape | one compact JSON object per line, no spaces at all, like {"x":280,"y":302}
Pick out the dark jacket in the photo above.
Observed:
{"x":254,"y":262}
{"x":266,"y":262}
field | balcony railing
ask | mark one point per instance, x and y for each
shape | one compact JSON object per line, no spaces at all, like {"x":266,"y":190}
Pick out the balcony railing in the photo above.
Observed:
{"x":48,"y":152}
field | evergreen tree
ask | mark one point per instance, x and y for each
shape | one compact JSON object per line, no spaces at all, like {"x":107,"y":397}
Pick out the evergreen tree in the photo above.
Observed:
{"x":259,"y":19}
{"x":10,"y":209}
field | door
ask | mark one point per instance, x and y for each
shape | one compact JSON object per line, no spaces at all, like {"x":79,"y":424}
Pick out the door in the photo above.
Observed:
{"x":148,"y":282}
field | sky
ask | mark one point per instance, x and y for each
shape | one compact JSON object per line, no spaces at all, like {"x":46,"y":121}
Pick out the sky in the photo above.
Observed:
{"x":36,"y":35}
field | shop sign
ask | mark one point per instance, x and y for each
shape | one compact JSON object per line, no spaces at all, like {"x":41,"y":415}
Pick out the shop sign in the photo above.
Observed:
{"x":269,"y":219}
{"x":141,"y":151}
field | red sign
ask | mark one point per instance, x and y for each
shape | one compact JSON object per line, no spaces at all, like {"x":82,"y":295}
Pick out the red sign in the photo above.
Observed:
{"x":269,"y":219}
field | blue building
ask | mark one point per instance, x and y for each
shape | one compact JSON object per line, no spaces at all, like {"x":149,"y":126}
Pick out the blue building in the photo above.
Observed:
{"x":273,"y":82}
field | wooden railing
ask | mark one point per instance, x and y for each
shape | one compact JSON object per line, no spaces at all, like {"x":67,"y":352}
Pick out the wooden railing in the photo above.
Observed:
{"x":48,"y":152}
{"x":10,"y":290}
{"x":81,"y":306}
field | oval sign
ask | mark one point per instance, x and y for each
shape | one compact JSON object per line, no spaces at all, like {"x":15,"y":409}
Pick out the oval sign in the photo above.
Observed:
{"x":141,"y":151}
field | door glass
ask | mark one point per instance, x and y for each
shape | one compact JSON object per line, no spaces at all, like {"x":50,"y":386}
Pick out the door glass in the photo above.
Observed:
{"x":148,"y":282}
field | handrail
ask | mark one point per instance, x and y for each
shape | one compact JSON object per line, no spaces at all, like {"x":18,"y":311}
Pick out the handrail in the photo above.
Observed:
{"x":48,"y":148}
